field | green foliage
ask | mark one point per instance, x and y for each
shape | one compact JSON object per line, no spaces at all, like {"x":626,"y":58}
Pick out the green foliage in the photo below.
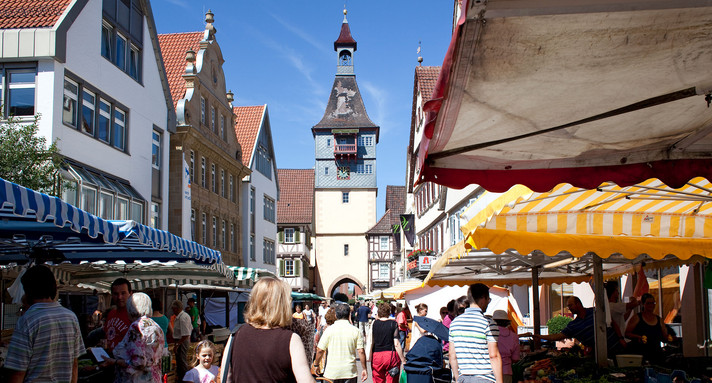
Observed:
{"x":557,"y":323}
{"x":25,"y":157}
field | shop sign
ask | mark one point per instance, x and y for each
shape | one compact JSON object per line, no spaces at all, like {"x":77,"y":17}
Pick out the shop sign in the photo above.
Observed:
{"x":425,"y":261}
{"x":381,"y":284}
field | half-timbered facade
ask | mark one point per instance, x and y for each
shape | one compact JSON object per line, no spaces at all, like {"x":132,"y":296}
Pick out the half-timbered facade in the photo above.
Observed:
{"x":295,"y":214}
{"x":384,"y":253}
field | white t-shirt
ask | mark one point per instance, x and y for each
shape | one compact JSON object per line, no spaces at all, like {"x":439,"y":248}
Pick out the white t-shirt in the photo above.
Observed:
{"x":201,"y":375}
{"x":322,"y":314}
{"x":308,"y":313}
{"x":182,"y":326}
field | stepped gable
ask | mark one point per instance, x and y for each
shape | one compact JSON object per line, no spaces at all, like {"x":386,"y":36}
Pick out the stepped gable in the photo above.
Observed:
{"x":173,"y":48}
{"x":248,"y":120}
{"x":296,"y":196}
{"x":345,"y":108}
{"x":15,"y":14}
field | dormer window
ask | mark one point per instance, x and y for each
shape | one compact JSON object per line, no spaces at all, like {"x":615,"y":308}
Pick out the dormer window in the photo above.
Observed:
{"x":345,"y":58}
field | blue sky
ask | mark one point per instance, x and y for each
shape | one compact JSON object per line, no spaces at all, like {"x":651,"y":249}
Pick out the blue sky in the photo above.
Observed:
{"x":281,"y":53}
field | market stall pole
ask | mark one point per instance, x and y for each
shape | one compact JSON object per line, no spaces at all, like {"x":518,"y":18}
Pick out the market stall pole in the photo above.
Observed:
{"x":536,"y":317}
{"x":599,"y":321}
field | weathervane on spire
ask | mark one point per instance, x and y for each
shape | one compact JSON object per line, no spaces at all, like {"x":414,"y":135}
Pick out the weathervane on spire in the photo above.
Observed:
{"x":420,"y":58}
{"x":345,"y":12}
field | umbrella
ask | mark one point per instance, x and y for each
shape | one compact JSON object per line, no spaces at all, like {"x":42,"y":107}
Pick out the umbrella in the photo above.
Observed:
{"x":432,"y":326}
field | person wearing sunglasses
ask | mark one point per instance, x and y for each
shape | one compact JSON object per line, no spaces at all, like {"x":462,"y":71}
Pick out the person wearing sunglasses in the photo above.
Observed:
{"x":647,"y":331}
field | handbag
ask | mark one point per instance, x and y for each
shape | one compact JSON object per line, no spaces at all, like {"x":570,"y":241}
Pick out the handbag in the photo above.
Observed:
{"x":394,"y":372}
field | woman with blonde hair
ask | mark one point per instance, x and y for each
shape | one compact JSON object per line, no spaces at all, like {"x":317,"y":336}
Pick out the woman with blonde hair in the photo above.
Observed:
{"x":265,"y":349}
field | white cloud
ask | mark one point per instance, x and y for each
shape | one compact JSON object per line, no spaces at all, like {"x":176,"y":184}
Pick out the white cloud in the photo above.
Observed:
{"x":299,"y":32}
{"x":380,"y":116}
{"x":180,"y":3}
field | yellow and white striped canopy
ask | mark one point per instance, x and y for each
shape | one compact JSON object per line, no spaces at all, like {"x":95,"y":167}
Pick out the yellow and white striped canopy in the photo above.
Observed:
{"x":649,"y":218}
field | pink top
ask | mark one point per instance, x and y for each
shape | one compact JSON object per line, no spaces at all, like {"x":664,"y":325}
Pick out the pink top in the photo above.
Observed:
{"x":508,"y":344}
{"x":446,"y":322}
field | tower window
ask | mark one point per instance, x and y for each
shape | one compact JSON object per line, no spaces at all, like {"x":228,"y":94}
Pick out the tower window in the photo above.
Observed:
{"x":346,"y":249}
{"x":345,"y":197}
{"x":345,"y":58}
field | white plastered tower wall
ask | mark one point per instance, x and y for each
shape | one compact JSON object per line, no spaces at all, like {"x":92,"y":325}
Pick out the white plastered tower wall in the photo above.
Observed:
{"x":340,"y":224}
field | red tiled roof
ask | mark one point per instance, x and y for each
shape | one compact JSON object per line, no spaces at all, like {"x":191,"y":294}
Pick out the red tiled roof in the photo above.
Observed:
{"x":31,"y":13}
{"x":427,"y":77}
{"x":296,"y":195}
{"x":173,"y":48}
{"x":383,"y":226}
{"x":395,"y":206}
{"x":247,"y":125}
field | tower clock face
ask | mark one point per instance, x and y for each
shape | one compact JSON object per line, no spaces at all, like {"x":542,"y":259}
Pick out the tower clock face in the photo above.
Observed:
{"x":343,"y":173}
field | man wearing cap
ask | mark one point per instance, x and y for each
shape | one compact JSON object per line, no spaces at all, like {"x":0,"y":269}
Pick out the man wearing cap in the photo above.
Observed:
{"x":474,"y":356}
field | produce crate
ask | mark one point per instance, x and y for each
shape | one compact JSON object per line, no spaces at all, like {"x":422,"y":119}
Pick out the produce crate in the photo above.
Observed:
{"x":652,"y":376}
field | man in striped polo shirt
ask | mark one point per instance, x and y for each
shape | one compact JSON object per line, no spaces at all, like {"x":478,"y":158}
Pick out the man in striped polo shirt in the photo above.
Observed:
{"x":474,"y":356}
{"x":46,"y":344}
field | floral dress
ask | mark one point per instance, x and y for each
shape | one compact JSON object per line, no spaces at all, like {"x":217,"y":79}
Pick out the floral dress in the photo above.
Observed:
{"x":142,"y":348}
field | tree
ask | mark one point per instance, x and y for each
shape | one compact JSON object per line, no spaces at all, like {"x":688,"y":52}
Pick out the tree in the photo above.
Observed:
{"x":25,"y":158}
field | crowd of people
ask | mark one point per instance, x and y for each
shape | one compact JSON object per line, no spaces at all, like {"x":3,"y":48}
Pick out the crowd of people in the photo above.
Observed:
{"x":281,"y":344}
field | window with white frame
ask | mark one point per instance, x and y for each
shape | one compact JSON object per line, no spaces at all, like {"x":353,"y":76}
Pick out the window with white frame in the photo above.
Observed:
{"x":213,"y":179}
{"x":326,"y":170}
{"x":155,"y":215}
{"x":223,"y":236}
{"x":365,"y":141}
{"x":215,"y":232}
{"x":369,"y":169}
{"x":346,"y":249}
{"x":264,"y":162}
{"x":122,"y":35}
{"x":88,"y":110}
{"x":213,"y":125}
{"x":192,"y":166}
{"x":232,"y":189}
{"x":232,"y":237}
{"x":89,"y":200}
{"x":384,"y":271}
{"x":268,"y":209}
{"x":289,"y":268}
{"x":69,"y":104}
{"x":103,"y":127}
{"x":202,"y":110}
{"x":268,"y":256}
{"x":383,"y":242}
{"x":345,"y":197}
{"x":252,"y":248}
{"x":328,"y":142}
{"x":202,"y":171}
{"x":204,"y":230}
{"x":108,"y":125}
{"x":106,"y":205}
{"x":289,"y":235}
{"x":222,"y":183}
{"x":156,"y":151}
{"x":192,"y":224}
{"x":122,"y":209}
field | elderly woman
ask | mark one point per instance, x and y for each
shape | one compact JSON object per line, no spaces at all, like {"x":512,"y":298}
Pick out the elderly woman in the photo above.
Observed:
{"x":138,"y":356}
{"x":265,"y":349}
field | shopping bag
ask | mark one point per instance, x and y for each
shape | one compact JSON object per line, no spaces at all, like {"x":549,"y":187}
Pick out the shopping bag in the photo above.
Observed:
{"x":403,"y":377}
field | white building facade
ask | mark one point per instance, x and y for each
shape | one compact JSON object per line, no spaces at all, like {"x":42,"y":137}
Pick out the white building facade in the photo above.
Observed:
{"x":96,"y":79}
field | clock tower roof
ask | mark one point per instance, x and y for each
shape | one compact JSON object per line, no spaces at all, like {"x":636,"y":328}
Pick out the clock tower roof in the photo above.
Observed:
{"x":345,"y":39}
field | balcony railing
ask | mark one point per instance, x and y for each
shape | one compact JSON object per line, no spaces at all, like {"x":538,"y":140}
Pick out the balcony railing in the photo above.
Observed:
{"x":345,"y":149}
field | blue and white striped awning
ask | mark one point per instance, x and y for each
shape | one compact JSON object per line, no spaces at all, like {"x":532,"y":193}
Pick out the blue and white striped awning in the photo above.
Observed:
{"x":33,"y":221}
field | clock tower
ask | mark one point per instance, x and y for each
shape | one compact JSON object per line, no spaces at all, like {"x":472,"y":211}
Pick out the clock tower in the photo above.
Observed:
{"x":345,"y":177}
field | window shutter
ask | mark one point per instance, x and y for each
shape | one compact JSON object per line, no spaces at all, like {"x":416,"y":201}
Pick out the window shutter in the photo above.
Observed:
{"x":281,"y":236}
{"x":297,"y":267}
{"x":280,"y":267}
{"x":296,"y":235}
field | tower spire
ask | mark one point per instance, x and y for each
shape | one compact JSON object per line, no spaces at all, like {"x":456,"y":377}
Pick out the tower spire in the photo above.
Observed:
{"x":345,"y":46}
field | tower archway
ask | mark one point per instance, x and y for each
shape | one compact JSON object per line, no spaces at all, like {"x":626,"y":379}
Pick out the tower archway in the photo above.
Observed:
{"x":347,"y":284}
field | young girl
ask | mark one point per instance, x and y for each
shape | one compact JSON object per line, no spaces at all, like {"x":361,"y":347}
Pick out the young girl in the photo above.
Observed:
{"x":204,"y":371}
